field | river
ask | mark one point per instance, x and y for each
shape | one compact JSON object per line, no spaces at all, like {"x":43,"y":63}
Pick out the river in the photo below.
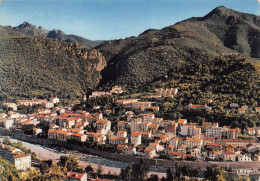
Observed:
{"x":109,"y":165}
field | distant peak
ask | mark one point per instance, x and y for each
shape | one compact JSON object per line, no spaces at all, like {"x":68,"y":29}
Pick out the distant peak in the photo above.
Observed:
{"x":58,"y":32}
{"x":25,"y":25}
{"x":221,"y":11}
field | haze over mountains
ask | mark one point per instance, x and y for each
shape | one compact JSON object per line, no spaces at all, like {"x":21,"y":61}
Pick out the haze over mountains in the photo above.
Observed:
{"x":32,"y":30}
{"x":133,"y":62}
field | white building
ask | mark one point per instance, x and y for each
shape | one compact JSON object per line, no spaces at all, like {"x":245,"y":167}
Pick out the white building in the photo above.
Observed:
{"x":214,"y":132}
{"x":8,"y":123}
{"x":54,"y":100}
{"x":21,"y":160}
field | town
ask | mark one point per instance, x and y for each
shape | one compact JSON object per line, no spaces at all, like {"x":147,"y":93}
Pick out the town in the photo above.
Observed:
{"x":138,"y":132}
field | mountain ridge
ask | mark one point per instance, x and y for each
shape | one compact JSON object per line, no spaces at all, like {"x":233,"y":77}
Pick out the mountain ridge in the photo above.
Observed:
{"x":134,"y":62}
{"x":32,"y":30}
{"x":221,"y":31}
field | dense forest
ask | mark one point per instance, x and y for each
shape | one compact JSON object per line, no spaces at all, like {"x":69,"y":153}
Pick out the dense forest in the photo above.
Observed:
{"x":38,"y":67}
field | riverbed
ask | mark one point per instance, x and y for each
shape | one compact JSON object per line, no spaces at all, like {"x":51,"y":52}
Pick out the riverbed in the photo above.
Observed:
{"x":108,"y":165}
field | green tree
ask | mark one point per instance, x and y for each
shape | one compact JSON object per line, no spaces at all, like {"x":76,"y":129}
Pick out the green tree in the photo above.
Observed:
{"x":125,"y":173}
{"x":89,"y":169}
{"x":169,"y":175}
{"x":7,"y":141}
{"x":153,"y":177}
{"x":70,"y":163}
{"x":30,"y":175}
{"x":99,"y":170}
{"x":140,"y":170}
{"x":214,"y":173}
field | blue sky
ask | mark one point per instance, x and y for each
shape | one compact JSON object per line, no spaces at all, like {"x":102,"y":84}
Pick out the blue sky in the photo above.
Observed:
{"x":111,"y":19}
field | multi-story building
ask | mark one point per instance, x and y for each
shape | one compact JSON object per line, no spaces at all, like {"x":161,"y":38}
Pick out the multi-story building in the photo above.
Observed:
{"x":8,"y":122}
{"x":171,"y":127}
{"x":103,"y":124}
{"x":78,"y":137}
{"x":237,"y":143}
{"x":140,"y":105}
{"x":135,"y":124}
{"x":136,"y":138}
{"x":116,"y":90}
{"x":54,"y":100}
{"x":21,"y":160}
{"x":189,"y":130}
{"x":214,"y":132}
{"x":233,"y":133}
{"x":166,"y":92}
{"x":191,"y":142}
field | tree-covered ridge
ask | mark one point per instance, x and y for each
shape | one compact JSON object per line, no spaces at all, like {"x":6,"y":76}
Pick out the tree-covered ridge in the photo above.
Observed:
{"x":224,"y":80}
{"x":41,"y":67}
{"x":135,"y":61}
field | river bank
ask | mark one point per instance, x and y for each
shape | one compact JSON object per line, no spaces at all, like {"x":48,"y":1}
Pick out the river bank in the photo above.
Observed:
{"x":129,"y":159}
{"x":47,"y":153}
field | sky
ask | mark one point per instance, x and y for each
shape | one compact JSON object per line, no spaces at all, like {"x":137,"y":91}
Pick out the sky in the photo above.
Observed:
{"x":111,"y":19}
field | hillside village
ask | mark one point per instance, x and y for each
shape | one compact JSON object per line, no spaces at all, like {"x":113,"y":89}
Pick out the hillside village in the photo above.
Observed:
{"x":141,"y":133}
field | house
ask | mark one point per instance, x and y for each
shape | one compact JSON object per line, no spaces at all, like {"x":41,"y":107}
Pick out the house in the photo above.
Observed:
{"x":11,"y":105}
{"x":74,"y":176}
{"x":166,"y":92}
{"x":171,"y":127}
{"x":149,"y":152}
{"x":143,"y":126}
{"x":126,"y":101}
{"x":251,"y":131}
{"x":229,"y":156}
{"x":195,"y":151}
{"x":103,"y":124}
{"x":78,"y":137}
{"x":214,"y":155}
{"x":155,"y":146}
{"x":233,"y":133}
{"x":243,"y":157}
{"x":233,"y":105}
{"x":121,"y":148}
{"x":177,"y":155}
{"x":99,"y":138}
{"x":131,"y":150}
{"x":146,"y":117}
{"x":116,"y":90}
{"x":135,"y":124}
{"x":123,"y":125}
{"x":99,"y":94}
{"x":213,"y":131}
{"x":116,"y":141}
{"x":191,"y":142}
{"x":129,"y":115}
{"x":121,"y":134}
{"x":195,"y":107}
{"x":54,"y":100}
{"x":241,"y":110}
{"x":8,"y":123}
{"x":153,"y":128}
{"x":236,"y":143}
{"x":19,"y":159}
{"x":182,"y":148}
{"x":140,"y":105}
{"x":214,"y":146}
{"x":205,"y":125}
{"x":36,"y":131}
{"x":181,"y":122}
{"x":257,"y":109}
{"x":136,"y":138}
{"x":168,"y":149}
{"x":154,"y":109}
